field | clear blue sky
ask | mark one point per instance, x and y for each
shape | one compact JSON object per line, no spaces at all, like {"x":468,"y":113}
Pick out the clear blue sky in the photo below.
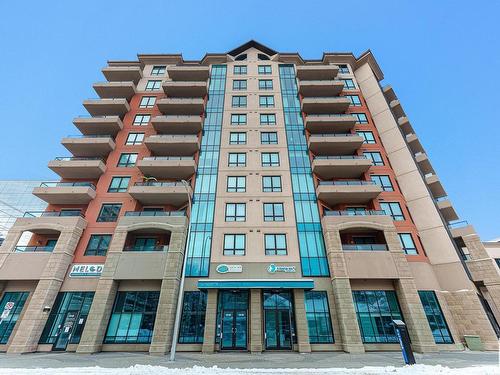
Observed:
{"x":442,"y":58}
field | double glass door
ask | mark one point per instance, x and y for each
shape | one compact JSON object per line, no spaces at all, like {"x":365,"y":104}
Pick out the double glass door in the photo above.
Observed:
{"x":66,"y":330}
{"x":278,"y":320}
{"x":234,"y":330}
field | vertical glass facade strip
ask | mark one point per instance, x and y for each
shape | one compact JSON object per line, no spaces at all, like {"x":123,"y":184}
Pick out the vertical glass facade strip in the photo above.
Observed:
{"x":202,"y":214}
{"x":311,"y":242}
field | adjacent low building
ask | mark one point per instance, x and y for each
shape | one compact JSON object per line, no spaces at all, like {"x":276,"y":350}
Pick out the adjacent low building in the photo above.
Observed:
{"x":297,"y":192}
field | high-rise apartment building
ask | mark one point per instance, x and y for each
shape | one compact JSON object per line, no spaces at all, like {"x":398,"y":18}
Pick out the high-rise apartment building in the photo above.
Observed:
{"x":304,"y":205}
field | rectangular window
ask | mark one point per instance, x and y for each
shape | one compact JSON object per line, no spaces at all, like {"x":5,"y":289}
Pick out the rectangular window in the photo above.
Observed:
{"x":192,"y":328}
{"x":367,"y":136}
{"x":360,"y":118}
{"x":274,"y":212}
{"x":375,"y":310}
{"x":147,"y":102}
{"x":265,"y":84}
{"x":270,"y":159}
{"x":349,"y":84}
{"x":133,"y":318}
{"x":236,"y":184}
{"x":275,"y":244}
{"x":127,"y":160}
{"x":318,"y":317}
{"x":375,"y":157}
{"x":141,"y":120}
{"x":239,"y":84}
{"x":239,"y":101}
{"x":236,"y":211}
{"x":269,"y":138}
{"x":343,"y":68}
{"x":268,"y":119}
{"x":7,"y":324}
{"x":237,"y":159}
{"x":109,"y":212}
{"x":271,"y":184}
{"x":407,"y":244}
{"x":239,"y":69}
{"x":238,"y":119}
{"x":234,"y":244}
{"x":384,"y":181}
{"x":98,"y":245}
{"x":435,"y":317}
{"x":134,"y":139}
{"x":355,"y":100}
{"x":158,"y":70}
{"x":153,"y":85}
{"x":119,"y":185}
{"x":266,"y":101}
{"x":393,"y":209}
{"x":264,"y":69}
{"x":237,"y":138}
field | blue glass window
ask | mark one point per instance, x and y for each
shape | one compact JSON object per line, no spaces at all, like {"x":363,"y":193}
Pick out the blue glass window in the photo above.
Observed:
{"x":318,"y":317}
{"x":14,"y":303}
{"x":192,"y":327}
{"x":435,"y":317}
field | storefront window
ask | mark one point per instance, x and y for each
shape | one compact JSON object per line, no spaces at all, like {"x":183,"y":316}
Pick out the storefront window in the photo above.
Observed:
{"x":11,"y":306}
{"x":318,"y":317}
{"x":435,"y":317}
{"x":193,"y":318}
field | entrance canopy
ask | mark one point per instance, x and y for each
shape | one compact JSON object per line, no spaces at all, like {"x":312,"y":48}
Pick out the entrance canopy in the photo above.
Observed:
{"x":256,"y":284}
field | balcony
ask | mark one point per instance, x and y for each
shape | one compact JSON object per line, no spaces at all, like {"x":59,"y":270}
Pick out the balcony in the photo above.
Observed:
{"x":122,"y":73}
{"x":354,"y":213}
{"x":168,"y":167}
{"x":100,"y":125}
{"x":435,"y":185}
{"x":160,"y":193}
{"x":65,"y":192}
{"x":405,"y":125}
{"x":397,"y":109}
{"x":461,"y":229}
{"x":188,"y":72}
{"x":350,"y":191}
{"x":89,"y":145}
{"x":389,"y":93}
{"x":183,"y":89}
{"x":51,"y":214}
{"x":107,"y":107}
{"x":330,"y":123}
{"x":181,"y":106}
{"x":423,"y":163}
{"x":125,"y":89}
{"x":175,"y":144}
{"x":317,"y":72}
{"x":177,"y":124}
{"x":447,"y":209}
{"x":334,"y":143}
{"x":78,"y":168}
{"x":364,"y":247}
{"x":329,"y":167}
{"x":414,"y":143}
{"x":321,"y":88}
{"x":328,"y":104}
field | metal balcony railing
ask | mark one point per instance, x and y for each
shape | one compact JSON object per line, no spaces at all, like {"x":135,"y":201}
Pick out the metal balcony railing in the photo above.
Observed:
{"x":340,"y":157}
{"x":333,"y":135}
{"x":77,"y":158}
{"x":347,"y":182}
{"x":155,"y":213}
{"x":168,"y":158}
{"x":70,"y":213}
{"x":458,"y":224}
{"x":145,"y":248}
{"x":83,"y":136}
{"x":354,"y":213}
{"x":160,"y":183}
{"x":33,"y":249}
{"x":364,"y":247}
{"x":67,"y":184}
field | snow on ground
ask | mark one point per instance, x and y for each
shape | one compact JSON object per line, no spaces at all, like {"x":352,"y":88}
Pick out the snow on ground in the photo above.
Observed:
{"x":196,"y":370}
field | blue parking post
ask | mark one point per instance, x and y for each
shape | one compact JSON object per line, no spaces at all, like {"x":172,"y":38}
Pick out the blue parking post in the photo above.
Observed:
{"x":404,"y":341}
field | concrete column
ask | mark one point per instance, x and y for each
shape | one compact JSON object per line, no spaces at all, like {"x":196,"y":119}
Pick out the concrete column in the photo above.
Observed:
{"x":99,"y":314}
{"x":210,"y":322}
{"x":301,"y":321}
{"x":419,"y":330}
{"x":255,"y":321}
{"x":346,"y":315}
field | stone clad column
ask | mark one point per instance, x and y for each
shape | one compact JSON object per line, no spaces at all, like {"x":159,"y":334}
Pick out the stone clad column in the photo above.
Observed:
{"x":255,"y":321}
{"x":210,"y":322}
{"x":301,"y":321}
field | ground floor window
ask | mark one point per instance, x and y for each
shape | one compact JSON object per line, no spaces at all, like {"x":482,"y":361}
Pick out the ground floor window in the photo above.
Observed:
{"x":375,"y":310}
{"x":69,"y":314}
{"x":193,"y":318}
{"x":318,"y":317}
{"x":435,"y":317}
{"x":11,"y":305}
{"x":133,"y":318}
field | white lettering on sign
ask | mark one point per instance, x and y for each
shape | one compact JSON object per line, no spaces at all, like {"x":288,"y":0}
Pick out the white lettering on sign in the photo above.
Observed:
{"x":86,"y":270}
{"x":273,"y":268}
{"x":227,"y":268}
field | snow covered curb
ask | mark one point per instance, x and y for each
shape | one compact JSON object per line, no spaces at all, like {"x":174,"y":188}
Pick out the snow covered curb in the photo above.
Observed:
{"x":197,"y":370}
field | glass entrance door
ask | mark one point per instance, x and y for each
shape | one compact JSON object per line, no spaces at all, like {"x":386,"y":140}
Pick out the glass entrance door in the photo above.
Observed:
{"x":234,"y":330}
{"x":66,"y":330}
{"x":278,"y":320}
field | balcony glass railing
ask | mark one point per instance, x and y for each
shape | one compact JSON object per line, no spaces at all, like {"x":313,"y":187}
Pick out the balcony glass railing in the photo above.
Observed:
{"x":97,"y":117}
{"x":347,"y":182}
{"x":340,"y":157}
{"x":145,"y":248}
{"x":458,"y":224}
{"x":155,"y":213}
{"x":71,"y":213}
{"x":159,"y":183}
{"x":168,"y":158}
{"x":76,"y":158}
{"x":68,"y":184}
{"x":346,"y":115}
{"x":354,"y":213}
{"x":333,"y":135}
{"x":364,"y":247}
{"x":83,"y":136}
{"x":33,"y":249}
{"x":174,"y":136}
